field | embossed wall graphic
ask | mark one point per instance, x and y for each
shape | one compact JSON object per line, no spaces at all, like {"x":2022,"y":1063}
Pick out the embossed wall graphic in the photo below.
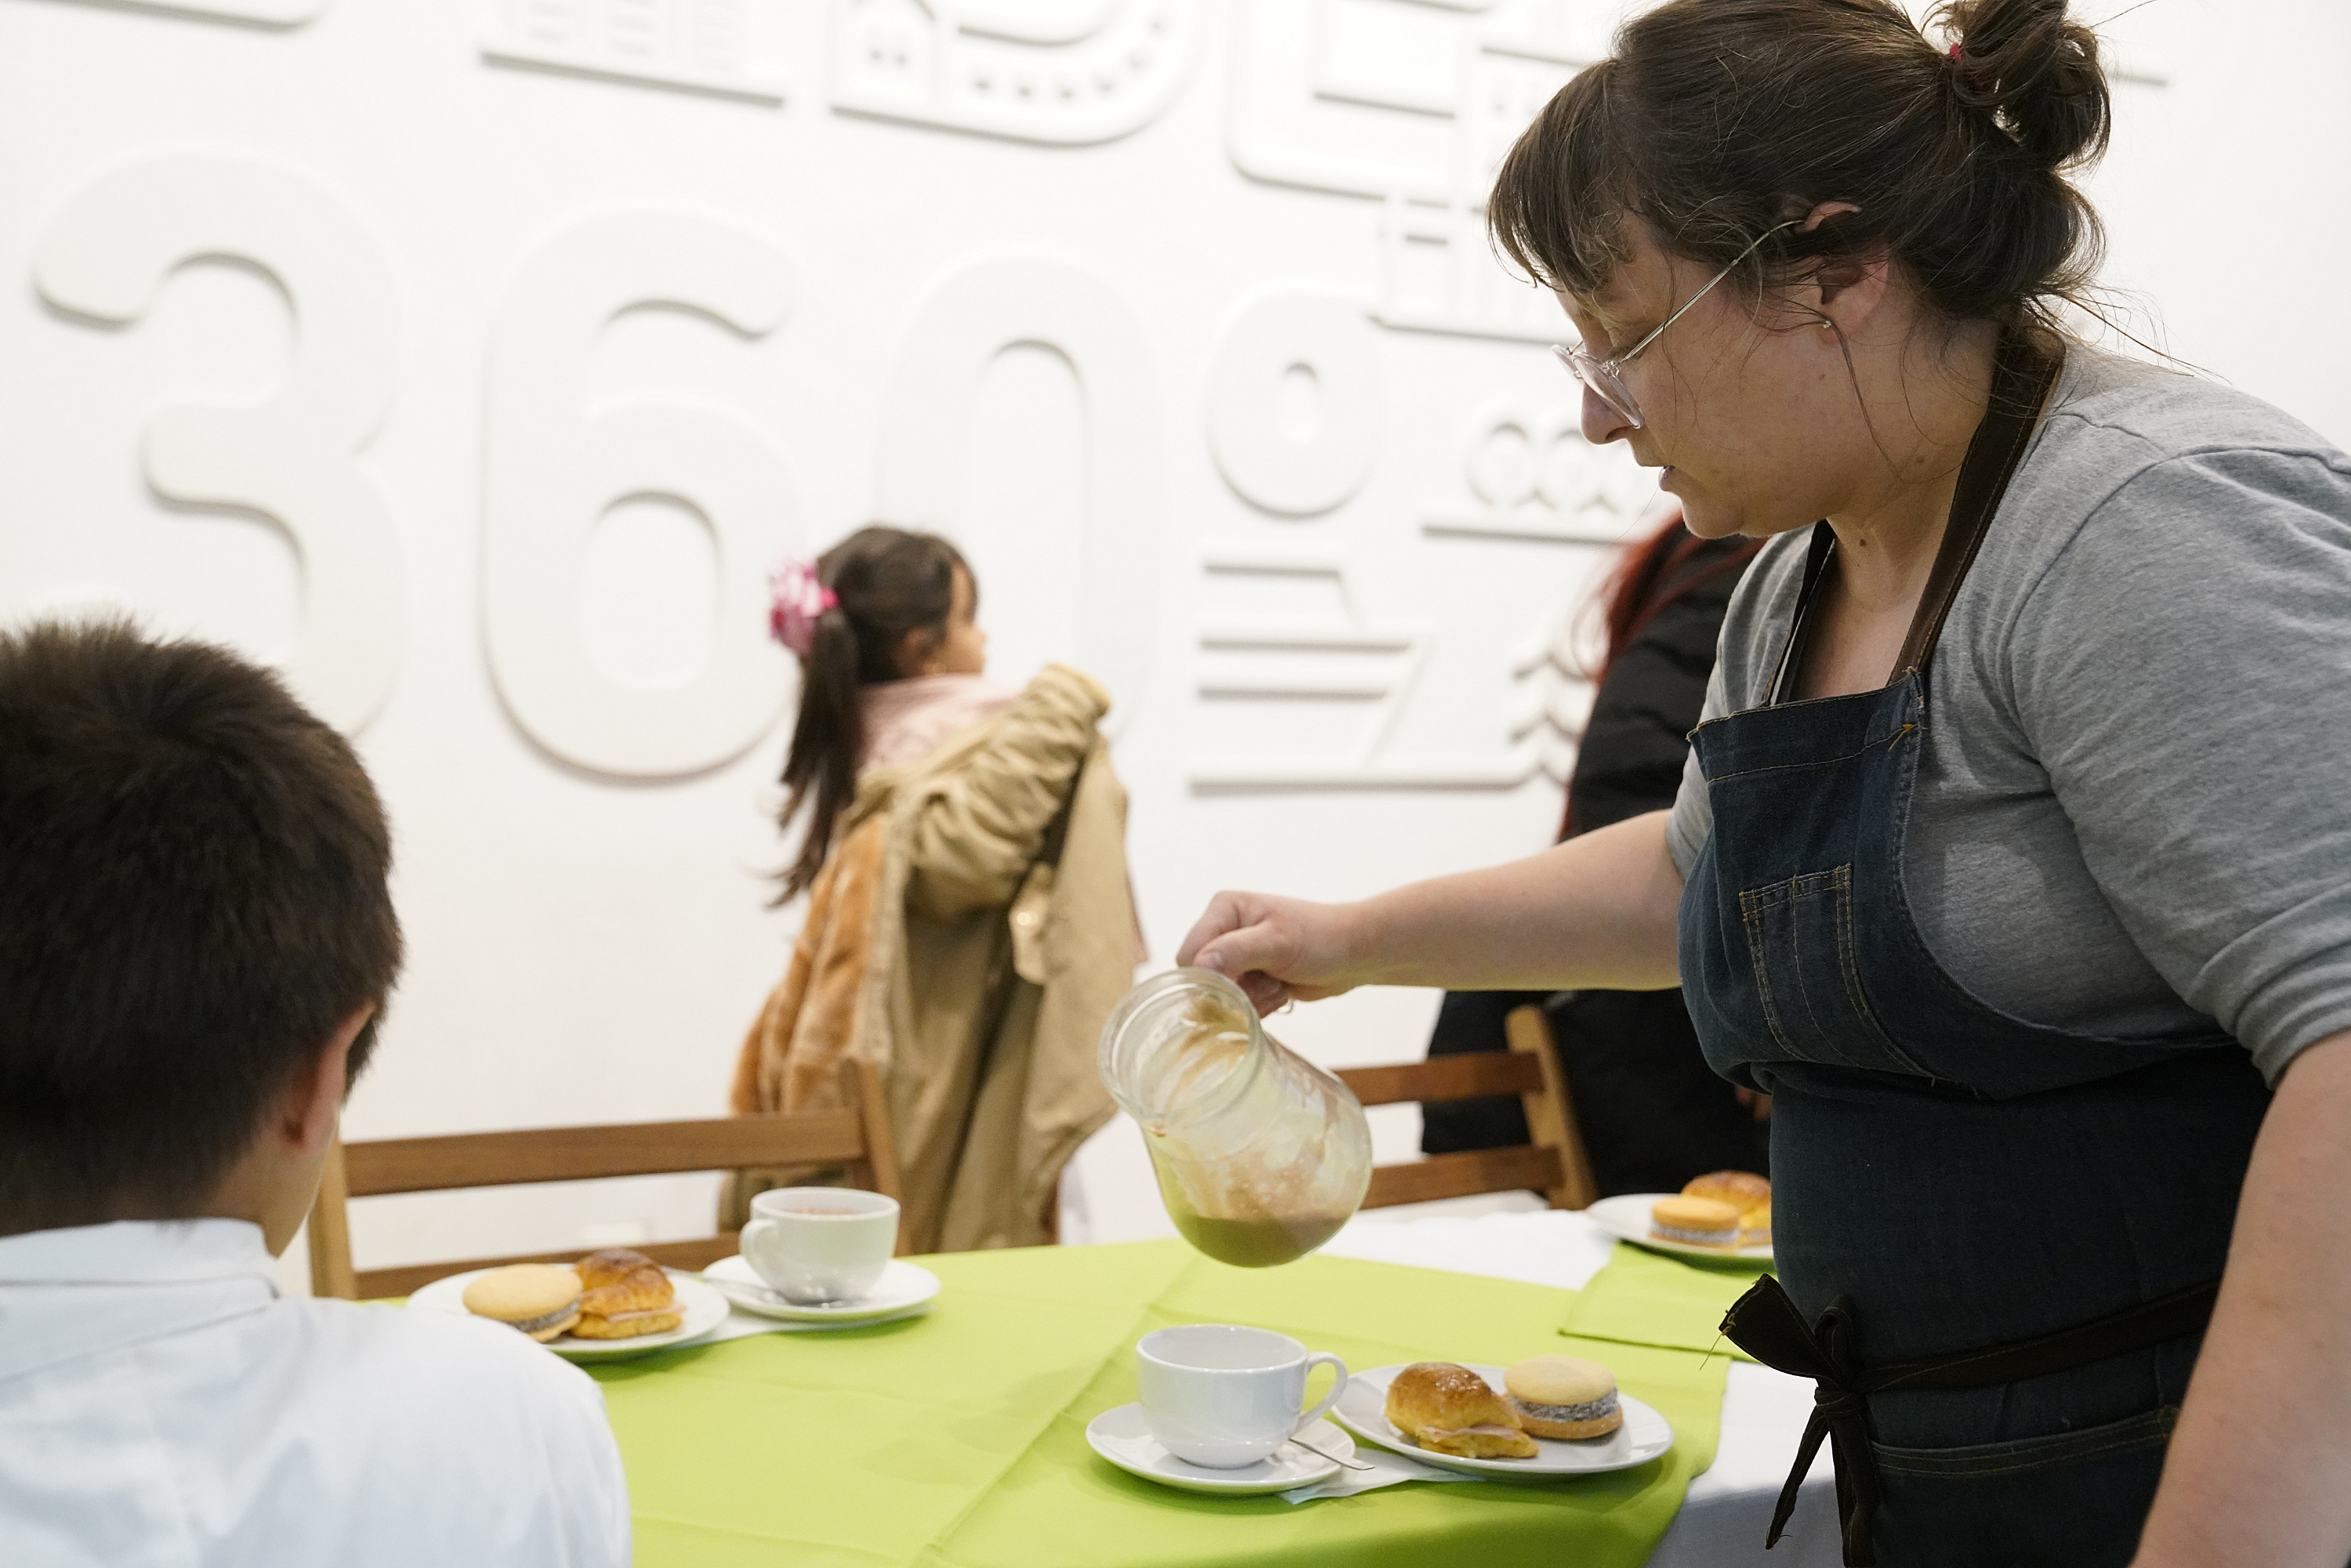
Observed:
{"x":272,"y":13}
{"x":959,"y":325}
{"x":1530,"y":474}
{"x":1413,"y":102}
{"x":554,"y":464}
{"x":1065,"y":71}
{"x":1317,"y":343}
{"x":704,"y":46}
{"x":292,"y":456}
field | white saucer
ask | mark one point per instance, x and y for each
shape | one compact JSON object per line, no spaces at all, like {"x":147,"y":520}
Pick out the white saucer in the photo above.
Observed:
{"x":704,"y":1308}
{"x":1645,"y":1434}
{"x":902,"y":1287}
{"x":1627,"y":1216}
{"x":1123,"y":1437}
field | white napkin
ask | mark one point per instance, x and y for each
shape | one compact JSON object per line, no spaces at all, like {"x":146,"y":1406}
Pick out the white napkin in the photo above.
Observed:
{"x":1388,"y":1468}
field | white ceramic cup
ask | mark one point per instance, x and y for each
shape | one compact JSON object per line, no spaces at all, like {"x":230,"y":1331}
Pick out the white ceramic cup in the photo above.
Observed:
{"x":1222,"y":1396}
{"x":815,"y":1244}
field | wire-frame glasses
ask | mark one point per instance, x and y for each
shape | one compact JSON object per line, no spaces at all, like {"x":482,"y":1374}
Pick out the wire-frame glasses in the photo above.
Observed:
{"x":1605,"y":377}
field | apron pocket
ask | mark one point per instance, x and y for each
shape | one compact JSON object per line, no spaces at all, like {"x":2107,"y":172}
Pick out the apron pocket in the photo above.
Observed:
{"x":2150,"y":1430}
{"x":1800,"y":943}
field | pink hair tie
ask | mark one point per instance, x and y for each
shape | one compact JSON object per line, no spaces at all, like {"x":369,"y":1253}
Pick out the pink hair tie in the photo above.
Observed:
{"x":796,"y":597}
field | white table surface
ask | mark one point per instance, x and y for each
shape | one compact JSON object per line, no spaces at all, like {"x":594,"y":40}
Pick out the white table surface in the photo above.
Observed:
{"x":1722,"y":1520}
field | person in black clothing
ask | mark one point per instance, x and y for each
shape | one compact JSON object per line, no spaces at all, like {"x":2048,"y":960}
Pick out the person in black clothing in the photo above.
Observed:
{"x":1651,"y":1113}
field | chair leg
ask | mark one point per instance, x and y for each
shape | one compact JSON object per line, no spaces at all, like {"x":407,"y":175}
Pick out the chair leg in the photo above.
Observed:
{"x":330,"y":1232}
{"x":1550,"y":1110}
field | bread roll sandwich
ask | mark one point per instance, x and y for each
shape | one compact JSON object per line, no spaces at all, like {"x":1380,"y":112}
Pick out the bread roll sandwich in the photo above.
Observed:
{"x":542,"y":1299}
{"x":1695,"y":1222}
{"x":1449,"y":1410}
{"x":1744,"y":1191}
{"x":1563,"y":1396}
{"x":627,"y":1297}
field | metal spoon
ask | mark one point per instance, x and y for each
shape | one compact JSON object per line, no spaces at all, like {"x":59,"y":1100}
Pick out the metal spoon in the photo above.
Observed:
{"x":1325,"y":1453}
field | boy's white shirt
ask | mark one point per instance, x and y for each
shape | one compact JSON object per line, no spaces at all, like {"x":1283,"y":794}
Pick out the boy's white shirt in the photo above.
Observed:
{"x":161,"y":1403}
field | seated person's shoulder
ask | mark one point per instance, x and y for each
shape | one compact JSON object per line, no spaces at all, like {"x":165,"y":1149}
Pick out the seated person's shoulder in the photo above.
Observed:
{"x":437,"y":1367}
{"x":511,"y":1437}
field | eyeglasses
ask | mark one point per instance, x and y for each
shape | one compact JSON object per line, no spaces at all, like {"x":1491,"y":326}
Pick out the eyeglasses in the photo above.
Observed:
{"x":1605,"y":377}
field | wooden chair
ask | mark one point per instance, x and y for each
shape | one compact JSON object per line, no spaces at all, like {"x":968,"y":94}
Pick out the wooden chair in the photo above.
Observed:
{"x":1553,"y":1164}
{"x":857,"y":1136}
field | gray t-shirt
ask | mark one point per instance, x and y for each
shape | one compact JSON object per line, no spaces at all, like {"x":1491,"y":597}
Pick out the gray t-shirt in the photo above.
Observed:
{"x":2134,"y":807}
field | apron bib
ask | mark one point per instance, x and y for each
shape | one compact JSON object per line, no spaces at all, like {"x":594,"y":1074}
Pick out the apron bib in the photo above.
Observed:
{"x":1999,"y":1241}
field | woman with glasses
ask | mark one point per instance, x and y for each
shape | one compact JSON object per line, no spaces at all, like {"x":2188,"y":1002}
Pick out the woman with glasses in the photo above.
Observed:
{"x":2014,"y":855}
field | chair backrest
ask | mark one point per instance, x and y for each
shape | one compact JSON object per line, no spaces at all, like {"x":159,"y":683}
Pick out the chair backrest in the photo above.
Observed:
{"x":858,"y":1136}
{"x":1553,"y":1164}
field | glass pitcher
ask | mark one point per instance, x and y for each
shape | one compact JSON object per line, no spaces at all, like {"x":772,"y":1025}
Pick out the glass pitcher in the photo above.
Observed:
{"x":1260,"y":1154}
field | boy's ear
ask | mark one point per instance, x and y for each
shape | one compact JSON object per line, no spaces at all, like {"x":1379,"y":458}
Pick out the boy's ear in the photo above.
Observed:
{"x":314,"y":1102}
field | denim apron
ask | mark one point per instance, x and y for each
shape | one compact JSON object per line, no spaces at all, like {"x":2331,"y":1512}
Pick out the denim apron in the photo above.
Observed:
{"x":1998,"y":1243}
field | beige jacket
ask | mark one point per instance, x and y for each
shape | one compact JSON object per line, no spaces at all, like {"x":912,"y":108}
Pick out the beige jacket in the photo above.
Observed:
{"x":971,"y":931}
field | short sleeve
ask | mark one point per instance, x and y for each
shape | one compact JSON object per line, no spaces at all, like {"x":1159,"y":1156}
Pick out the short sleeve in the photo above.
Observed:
{"x":2182,"y":670}
{"x":1693,"y":812}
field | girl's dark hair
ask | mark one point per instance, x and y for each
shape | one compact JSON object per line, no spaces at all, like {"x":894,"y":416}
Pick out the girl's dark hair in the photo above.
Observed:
{"x":1715,"y":121}
{"x":888,"y":582}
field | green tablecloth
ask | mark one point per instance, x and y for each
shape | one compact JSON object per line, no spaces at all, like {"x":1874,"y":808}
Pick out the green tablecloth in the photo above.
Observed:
{"x":959,"y":1439}
{"x":1648,"y":1298}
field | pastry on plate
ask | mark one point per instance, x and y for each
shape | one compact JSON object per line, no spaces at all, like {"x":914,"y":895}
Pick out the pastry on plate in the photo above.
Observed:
{"x":628,"y":1297}
{"x":542,"y":1299}
{"x":1744,"y":1191}
{"x":1563,"y":1396}
{"x":1695,"y":1222}
{"x":1450,"y":1409}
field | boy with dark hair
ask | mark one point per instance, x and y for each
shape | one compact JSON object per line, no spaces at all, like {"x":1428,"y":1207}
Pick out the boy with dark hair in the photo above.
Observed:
{"x":196,"y":938}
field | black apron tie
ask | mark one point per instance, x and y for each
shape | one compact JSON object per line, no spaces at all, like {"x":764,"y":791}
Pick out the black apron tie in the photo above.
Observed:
{"x":1766,"y":1324}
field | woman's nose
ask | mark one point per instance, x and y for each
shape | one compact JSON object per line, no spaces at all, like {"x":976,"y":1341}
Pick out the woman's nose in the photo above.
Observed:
{"x":1601,"y":424}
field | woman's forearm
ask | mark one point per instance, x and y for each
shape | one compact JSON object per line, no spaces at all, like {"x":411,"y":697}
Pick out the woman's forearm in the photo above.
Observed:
{"x":2257,"y":1471}
{"x":1595,"y":913}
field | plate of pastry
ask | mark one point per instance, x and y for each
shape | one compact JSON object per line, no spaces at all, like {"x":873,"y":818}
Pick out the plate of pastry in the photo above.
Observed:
{"x":1723,"y":1214}
{"x":616,"y":1303}
{"x":1548,"y":1416}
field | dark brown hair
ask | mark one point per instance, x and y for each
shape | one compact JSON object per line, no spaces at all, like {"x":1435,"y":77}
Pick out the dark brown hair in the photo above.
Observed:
{"x":888,"y":582}
{"x":192,"y":899}
{"x":1715,"y":121}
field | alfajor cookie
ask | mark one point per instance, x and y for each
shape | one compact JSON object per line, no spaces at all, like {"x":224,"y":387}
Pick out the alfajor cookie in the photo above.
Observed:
{"x":542,"y":1299}
{"x":1563,"y":1396}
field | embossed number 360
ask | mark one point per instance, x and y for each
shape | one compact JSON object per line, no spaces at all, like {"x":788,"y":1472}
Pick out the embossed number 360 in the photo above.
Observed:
{"x":289,"y":456}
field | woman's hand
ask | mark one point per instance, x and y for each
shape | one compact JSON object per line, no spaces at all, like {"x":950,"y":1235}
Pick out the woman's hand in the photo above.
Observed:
{"x":1595,"y":914}
{"x":1276,"y":949}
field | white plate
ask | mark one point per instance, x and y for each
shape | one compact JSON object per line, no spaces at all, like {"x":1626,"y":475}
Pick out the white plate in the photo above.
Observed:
{"x":902,"y":1287}
{"x":1644,"y":1436}
{"x":1627,"y":1215}
{"x":1123,"y":1437}
{"x":704,"y":1310}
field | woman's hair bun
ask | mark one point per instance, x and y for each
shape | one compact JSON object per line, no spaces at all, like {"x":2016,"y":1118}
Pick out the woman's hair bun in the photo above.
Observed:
{"x":2036,"y":71}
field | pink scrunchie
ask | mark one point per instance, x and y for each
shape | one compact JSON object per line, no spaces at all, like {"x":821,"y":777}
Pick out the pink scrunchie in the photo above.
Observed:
{"x":796,"y":598}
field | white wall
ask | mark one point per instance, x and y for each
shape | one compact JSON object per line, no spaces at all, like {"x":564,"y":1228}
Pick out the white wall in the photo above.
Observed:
{"x":1058,"y":321}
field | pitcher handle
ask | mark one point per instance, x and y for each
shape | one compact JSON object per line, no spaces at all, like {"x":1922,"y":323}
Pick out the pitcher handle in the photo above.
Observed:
{"x":1339,"y":1386}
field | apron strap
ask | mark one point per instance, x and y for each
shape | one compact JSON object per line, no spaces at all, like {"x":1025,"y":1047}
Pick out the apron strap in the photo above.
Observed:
{"x":2021,"y":381}
{"x":1766,"y":1325}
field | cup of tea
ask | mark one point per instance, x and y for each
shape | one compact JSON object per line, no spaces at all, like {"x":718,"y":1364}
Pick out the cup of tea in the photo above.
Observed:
{"x":818,"y":1244}
{"x":1222,"y":1396}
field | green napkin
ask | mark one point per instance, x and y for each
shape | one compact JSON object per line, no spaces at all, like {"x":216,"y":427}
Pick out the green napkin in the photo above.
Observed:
{"x":1642,"y":1297}
{"x":957,"y":1441}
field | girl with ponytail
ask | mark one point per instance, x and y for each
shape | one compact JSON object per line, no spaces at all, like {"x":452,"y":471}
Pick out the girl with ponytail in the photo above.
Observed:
{"x":970,"y":923}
